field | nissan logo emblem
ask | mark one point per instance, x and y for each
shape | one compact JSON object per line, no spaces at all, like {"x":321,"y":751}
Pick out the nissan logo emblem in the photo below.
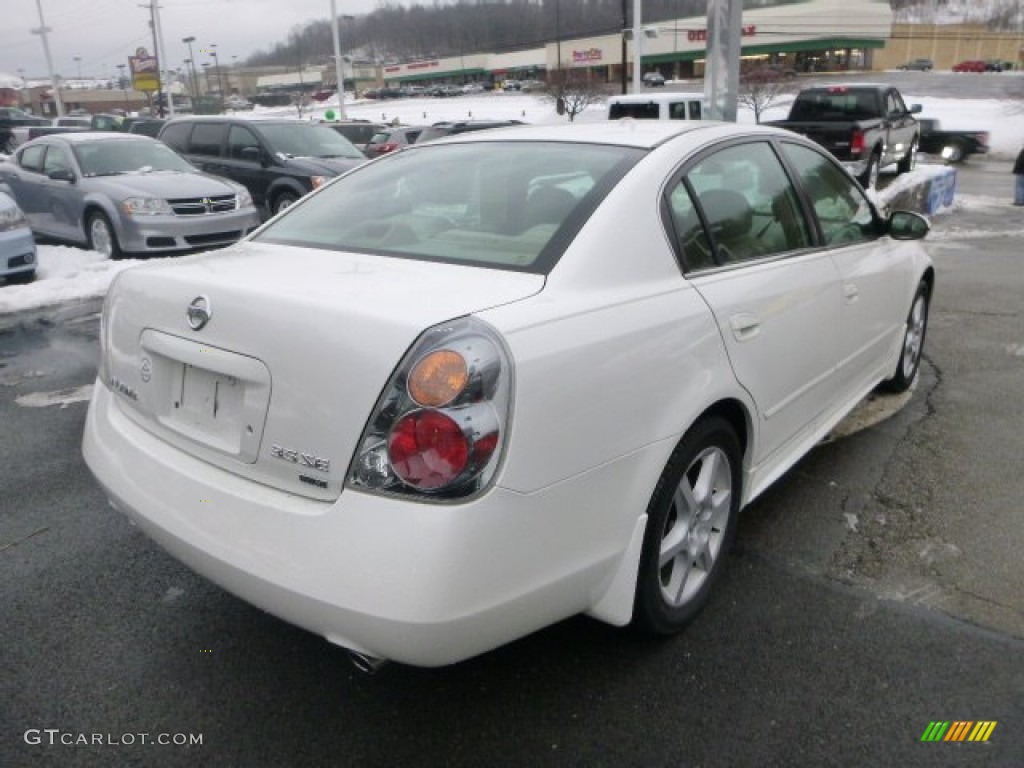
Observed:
{"x":199,"y":313}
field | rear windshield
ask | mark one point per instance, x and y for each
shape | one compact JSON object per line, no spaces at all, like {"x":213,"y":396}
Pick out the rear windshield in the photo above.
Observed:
{"x":507,"y":205}
{"x":835,"y":105}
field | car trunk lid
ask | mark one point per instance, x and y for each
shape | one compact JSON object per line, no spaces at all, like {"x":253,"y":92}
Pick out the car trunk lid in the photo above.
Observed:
{"x":268,"y":360}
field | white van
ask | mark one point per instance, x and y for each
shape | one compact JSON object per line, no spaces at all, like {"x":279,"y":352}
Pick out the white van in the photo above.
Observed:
{"x":661,"y":106}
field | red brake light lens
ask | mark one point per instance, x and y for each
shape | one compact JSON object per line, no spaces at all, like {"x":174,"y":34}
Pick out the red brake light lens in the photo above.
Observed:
{"x":427,"y":449}
{"x":857,"y":143}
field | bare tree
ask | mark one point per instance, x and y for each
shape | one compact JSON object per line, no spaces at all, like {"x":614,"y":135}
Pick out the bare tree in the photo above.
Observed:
{"x":758,"y":93}
{"x":572,"y":91}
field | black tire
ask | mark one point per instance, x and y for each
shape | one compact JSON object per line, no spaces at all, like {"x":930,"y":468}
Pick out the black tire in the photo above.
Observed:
{"x":913,"y":342}
{"x":869,"y":179}
{"x":909,"y":160}
{"x":694,"y":531}
{"x":96,"y":223}
{"x":282,"y":200}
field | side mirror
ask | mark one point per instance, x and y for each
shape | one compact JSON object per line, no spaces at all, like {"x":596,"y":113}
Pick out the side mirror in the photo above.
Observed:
{"x":253,"y":155}
{"x":62,"y":174}
{"x":915,"y":109}
{"x":907,"y":225}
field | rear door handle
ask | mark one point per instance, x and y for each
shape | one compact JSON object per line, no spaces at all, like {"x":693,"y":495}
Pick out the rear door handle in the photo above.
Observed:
{"x":851,"y":293}
{"x":745,"y":326}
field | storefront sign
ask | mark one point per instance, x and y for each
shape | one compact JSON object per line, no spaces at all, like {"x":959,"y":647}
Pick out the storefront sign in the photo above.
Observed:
{"x":701,"y":35}
{"x":592,"y":54}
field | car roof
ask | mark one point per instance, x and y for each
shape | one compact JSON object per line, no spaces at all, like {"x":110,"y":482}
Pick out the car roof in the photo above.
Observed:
{"x":88,"y":137}
{"x":644,"y":134}
{"x":240,"y":119}
{"x":651,"y":98}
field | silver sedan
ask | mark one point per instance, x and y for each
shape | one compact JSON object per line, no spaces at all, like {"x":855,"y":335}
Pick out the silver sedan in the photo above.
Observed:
{"x":120,"y":194}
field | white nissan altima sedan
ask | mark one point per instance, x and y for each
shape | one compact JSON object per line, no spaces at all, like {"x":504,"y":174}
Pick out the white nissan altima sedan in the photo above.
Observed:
{"x":487,"y":383}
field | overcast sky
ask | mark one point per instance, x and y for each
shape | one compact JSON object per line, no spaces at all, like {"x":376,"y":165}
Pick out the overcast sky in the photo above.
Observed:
{"x":104,"y":33}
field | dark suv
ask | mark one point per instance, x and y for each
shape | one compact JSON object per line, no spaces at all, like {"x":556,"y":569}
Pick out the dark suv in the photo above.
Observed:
{"x":277,"y":160}
{"x":439,"y":130}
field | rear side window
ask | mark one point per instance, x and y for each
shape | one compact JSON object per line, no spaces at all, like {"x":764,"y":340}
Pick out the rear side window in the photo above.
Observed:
{"x":176,"y":136}
{"x":206,"y":139}
{"x":648,"y":111}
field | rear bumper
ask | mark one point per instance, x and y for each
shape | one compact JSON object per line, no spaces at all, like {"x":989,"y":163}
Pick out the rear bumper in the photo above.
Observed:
{"x":424,"y":584}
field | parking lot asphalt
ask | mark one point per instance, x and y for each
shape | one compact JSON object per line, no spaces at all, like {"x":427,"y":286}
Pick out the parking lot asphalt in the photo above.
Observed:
{"x":875,"y":589}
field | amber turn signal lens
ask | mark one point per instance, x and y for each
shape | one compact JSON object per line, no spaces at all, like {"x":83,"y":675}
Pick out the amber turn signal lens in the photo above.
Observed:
{"x":438,"y":378}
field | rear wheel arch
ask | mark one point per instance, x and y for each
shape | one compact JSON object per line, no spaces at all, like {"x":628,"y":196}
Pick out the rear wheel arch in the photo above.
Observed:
{"x":738,"y":417}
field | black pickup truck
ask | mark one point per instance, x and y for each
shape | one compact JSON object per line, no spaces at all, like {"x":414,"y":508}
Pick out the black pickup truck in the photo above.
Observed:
{"x":951,"y":146}
{"x":866,"y":127}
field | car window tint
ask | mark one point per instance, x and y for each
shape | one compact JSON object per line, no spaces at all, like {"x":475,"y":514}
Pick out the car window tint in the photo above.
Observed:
{"x":749,"y":203}
{"x":695,"y":110}
{"x":689,"y":231}
{"x":843,"y":212}
{"x":56,"y":160}
{"x":176,"y":136}
{"x":206,"y":139}
{"x":648,"y":111}
{"x":506,"y":205}
{"x":239,"y":138}
{"x":31,"y":158}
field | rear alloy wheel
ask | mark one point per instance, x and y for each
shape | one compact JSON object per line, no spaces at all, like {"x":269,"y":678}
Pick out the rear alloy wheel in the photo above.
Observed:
{"x":869,"y":179}
{"x":284,"y":200}
{"x":691,"y":522}
{"x":101,"y":235}
{"x":909,"y":161}
{"x":913,"y":343}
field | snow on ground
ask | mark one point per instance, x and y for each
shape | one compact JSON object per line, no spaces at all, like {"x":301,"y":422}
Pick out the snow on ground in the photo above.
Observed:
{"x":67,"y":273}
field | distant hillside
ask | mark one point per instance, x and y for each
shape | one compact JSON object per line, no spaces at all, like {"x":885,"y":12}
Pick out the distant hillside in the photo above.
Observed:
{"x":396,"y":32}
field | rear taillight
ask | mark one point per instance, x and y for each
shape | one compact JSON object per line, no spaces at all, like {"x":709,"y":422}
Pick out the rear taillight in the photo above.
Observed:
{"x":439,"y":428}
{"x":391,"y":146}
{"x":857,"y":143}
{"x":982,"y":138}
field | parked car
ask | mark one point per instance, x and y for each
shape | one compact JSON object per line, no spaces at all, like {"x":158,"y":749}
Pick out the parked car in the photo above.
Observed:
{"x":122,"y":194}
{"x":970,"y":66}
{"x":952,"y":146}
{"x":451,"y":412}
{"x":653,"y":80}
{"x":997,"y":65}
{"x":671,"y":105}
{"x":768,"y":74}
{"x":14,"y":124}
{"x":389,"y":139}
{"x":449,"y":128}
{"x":278,"y":160}
{"x":359,"y":132}
{"x":921,"y":65}
{"x":18,"y":257}
{"x":867,"y":127}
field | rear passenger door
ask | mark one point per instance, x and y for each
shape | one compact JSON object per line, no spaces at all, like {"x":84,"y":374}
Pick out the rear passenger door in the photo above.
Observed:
{"x":747,"y":248}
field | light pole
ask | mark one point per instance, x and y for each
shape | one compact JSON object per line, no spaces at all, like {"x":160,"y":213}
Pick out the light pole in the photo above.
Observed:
{"x":41,"y":30}
{"x":339,"y":66}
{"x":192,"y":65}
{"x":124,"y":90}
{"x":220,"y":84}
{"x":78,"y":61}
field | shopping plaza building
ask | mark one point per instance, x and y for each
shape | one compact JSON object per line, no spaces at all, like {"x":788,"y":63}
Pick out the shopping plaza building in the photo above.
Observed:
{"x":798,"y":35}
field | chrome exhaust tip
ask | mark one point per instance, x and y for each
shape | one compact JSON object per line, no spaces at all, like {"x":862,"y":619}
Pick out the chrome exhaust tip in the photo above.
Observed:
{"x":366,"y":664}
